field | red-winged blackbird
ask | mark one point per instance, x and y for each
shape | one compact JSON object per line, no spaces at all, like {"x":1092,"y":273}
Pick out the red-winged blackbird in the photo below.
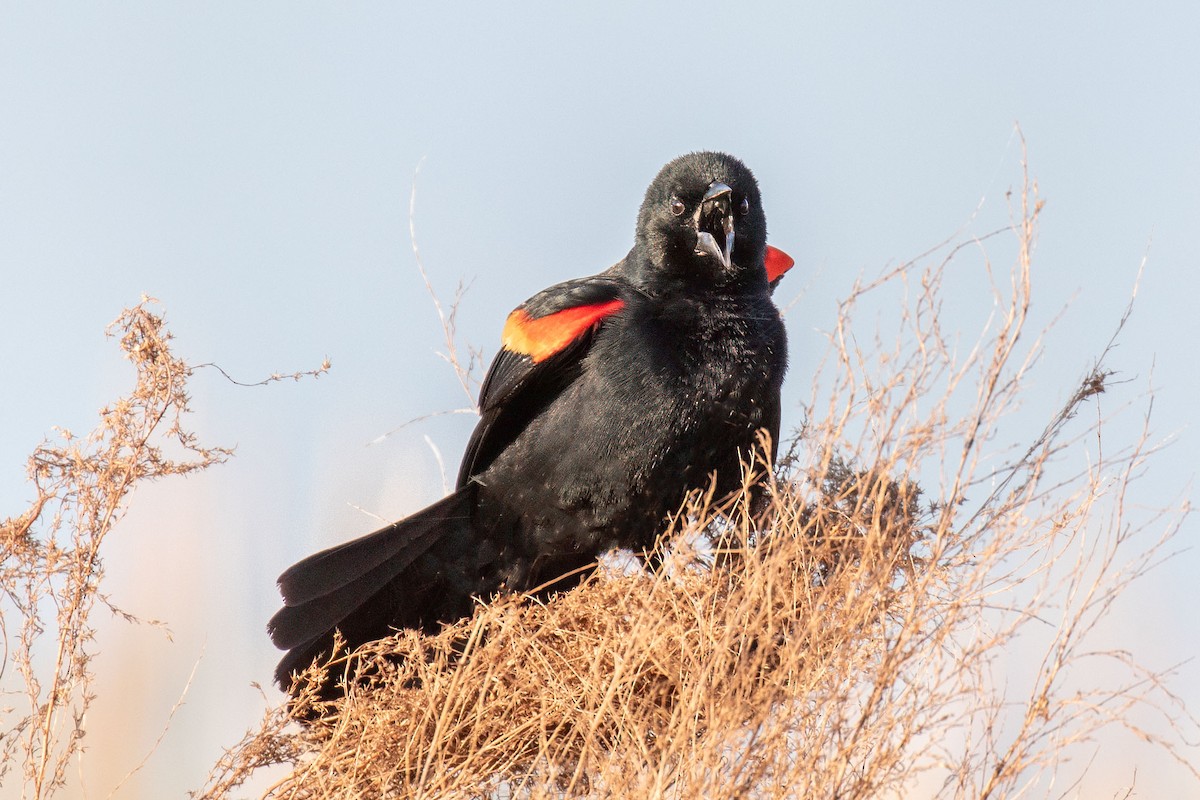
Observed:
{"x":611,"y":398}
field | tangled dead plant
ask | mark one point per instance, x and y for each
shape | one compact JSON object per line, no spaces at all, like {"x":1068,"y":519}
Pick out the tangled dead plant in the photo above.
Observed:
{"x":51,"y":555}
{"x":859,"y":645}
{"x":52,"y":567}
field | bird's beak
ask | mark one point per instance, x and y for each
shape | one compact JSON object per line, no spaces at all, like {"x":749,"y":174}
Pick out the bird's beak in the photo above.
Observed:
{"x":714,"y":224}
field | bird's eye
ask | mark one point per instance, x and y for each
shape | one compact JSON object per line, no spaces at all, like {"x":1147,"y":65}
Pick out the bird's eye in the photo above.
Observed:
{"x":744,"y":208}
{"x":677,"y":206}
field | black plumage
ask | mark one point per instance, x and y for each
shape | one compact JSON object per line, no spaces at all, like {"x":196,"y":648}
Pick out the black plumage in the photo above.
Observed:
{"x":612,"y":396}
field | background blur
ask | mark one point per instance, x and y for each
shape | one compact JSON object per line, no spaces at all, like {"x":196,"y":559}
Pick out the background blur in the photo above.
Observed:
{"x":251,"y":166}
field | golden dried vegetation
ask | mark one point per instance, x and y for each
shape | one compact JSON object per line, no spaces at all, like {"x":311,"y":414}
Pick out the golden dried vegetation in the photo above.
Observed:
{"x":859,"y":641}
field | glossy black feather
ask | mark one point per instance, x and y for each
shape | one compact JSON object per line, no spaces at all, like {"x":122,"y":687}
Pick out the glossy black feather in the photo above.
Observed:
{"x":517,"y":391}
{"x":511,"y":372}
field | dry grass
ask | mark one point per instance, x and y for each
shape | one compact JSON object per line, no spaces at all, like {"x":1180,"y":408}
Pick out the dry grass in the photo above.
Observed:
{"x":858,"y":645}
{"x":862,"y":643}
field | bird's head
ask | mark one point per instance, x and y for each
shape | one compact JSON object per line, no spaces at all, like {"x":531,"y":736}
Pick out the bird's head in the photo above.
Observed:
{"x":702,"y":221}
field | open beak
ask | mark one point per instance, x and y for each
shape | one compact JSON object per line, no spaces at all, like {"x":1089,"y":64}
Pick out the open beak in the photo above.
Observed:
{"x":714,"y":224}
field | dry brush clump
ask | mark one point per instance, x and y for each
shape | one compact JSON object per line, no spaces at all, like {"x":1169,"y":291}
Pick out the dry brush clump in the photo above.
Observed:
{"x":857,"y":642}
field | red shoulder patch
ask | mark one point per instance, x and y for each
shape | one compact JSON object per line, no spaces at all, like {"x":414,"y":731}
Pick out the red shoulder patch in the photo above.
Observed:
{"x":777,"y":262}
{"x":543,"y":337}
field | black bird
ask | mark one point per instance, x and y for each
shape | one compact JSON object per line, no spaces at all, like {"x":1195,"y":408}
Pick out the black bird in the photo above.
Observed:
{"x":611,"y":398}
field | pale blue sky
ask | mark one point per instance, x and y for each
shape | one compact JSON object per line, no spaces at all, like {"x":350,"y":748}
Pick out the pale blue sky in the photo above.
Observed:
{"x":251,"y":167}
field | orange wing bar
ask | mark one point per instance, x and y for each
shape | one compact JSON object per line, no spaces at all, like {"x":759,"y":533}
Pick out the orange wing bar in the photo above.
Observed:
{"x":543,"y":337}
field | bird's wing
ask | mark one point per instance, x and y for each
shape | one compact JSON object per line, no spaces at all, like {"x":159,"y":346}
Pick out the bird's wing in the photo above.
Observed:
{"x":543,"y":344}
{"x":776,"y":262}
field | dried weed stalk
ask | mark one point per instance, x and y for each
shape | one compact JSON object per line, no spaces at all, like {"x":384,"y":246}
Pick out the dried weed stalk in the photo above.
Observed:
{"x":860,"y":644}
{"x":52,"y":569}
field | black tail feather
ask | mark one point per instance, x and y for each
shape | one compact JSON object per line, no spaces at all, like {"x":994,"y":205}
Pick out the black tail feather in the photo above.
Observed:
{"x":399,"y":543}
{"x":297,"y":624}
{"x":354,"y":587}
